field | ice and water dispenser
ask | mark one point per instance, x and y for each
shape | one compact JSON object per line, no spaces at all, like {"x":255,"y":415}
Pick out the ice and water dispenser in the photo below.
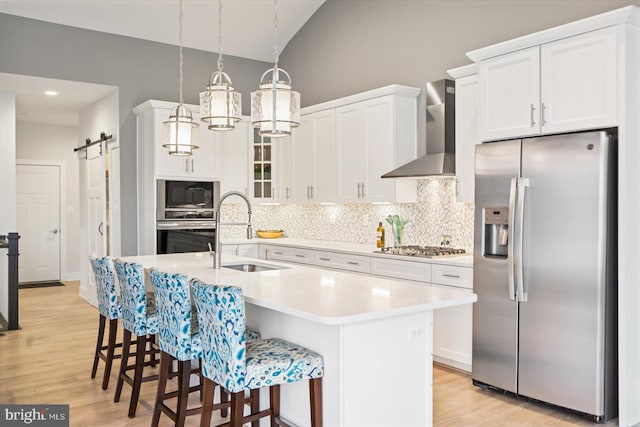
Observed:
{"x":496,"y":231}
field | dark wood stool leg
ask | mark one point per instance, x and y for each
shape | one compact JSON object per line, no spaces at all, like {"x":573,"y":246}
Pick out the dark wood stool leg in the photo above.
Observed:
{"x":165,"y":364}
{"x":208,"y":391}
{"x":224,"y":397}
{"x":111,"y":347}
{"x":315,"y":396}
{"x":255,"y":405}
{"x":237,"y":409}
{"x":126,"y":348}
{"x":141,"y":345}
{"x":153,"y":353}
{"x":274,"y":401}
{"x":101,"y":323}
{"x":184,"y":372}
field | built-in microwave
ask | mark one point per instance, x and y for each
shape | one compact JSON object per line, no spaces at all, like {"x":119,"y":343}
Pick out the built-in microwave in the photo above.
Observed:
{"x":187,"y":200}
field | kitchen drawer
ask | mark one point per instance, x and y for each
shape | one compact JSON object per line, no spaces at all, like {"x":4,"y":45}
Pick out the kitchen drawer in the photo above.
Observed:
{"x":461,"y":277}
{"x":295,"y":255}
{"x":357,"y":263}
{"x":398,"y":269}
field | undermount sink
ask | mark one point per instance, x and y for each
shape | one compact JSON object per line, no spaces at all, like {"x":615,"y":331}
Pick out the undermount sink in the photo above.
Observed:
{"x":250,"y":268}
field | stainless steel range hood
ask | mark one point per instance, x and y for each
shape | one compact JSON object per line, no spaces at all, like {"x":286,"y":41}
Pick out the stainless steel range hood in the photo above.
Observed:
{"x":441,"y":143}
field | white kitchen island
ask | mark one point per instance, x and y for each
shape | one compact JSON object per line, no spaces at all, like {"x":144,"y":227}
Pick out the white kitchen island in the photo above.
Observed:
{"x":375,"y":335}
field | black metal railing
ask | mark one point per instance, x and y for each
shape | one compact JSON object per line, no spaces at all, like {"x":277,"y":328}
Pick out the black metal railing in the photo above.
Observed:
{"x":10,"y":241}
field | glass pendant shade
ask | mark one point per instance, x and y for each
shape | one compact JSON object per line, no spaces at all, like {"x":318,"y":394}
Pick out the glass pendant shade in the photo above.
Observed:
{"x":220,"y":105}
{"x":179,"y":134}
{"x":275,"y":106}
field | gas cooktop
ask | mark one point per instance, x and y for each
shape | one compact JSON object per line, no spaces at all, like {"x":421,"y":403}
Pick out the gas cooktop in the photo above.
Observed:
{"x":423,"y":251}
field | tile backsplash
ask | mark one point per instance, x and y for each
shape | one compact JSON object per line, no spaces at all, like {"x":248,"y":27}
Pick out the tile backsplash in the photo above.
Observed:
{"x":436,"y":213}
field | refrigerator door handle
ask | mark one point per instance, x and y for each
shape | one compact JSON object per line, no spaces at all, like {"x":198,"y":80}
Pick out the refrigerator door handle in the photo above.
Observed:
{"x":510,"y":234}
{"x":523,"y":183}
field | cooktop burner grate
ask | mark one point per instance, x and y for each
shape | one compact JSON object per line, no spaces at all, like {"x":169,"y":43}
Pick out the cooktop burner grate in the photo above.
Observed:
{"x":423,"y":251}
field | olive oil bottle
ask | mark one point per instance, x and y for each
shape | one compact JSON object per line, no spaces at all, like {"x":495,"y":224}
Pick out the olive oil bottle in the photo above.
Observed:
{"x":380,"y":236}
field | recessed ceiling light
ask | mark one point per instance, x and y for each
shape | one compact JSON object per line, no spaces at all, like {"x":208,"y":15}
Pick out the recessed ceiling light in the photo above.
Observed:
{"x":50,"y":92}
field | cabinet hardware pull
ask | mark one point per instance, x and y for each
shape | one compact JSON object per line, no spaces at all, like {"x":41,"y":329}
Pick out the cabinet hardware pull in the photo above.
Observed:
{"x":544,"y":107}
{"x":191,"y":165}
{"x":359,"y":193}
{"x":287,"y":192}
{"x":100,"y":229}
{"x":353,"y":263}
{"x":325,"y":259}
{"x":301,"y":256}
{"x":277,"y":253}
{"x":455,"y":276}
{"x":363,"y":193}
{"x":533,"y":122}
{"x":311,"y":187}
{"x":186,"y":165}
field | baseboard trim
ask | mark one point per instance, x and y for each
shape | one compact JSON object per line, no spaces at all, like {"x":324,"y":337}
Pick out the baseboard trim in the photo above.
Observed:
{"x":74,"y":275}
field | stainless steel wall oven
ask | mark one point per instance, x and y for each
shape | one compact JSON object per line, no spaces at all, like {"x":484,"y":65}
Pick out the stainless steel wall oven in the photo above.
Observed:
{"x":185,"y":215}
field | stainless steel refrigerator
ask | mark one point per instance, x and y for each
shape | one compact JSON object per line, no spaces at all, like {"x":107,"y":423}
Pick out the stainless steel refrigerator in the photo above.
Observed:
{"x":545,"y":323}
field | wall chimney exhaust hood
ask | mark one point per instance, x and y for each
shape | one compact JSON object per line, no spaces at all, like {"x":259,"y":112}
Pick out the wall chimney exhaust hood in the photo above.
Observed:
{"x":441,"y":143}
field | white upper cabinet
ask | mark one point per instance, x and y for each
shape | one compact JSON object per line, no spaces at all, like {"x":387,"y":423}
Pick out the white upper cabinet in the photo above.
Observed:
{"x":466,"y":130}
{"x":510,"y":95}
{"x":352,"y":151}
{"x":201,"y":164}
{"x":374,"y":136}
{"x":379,"y":116}
{"x":314,"y":153}
{"x":560,"y":86}
{"x":232,"y":161}
{"x":284,"y":164}
{"x":578,"y":82}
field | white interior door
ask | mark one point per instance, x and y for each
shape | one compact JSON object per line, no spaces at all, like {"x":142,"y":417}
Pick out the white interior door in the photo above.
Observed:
{"x":38,"y":221}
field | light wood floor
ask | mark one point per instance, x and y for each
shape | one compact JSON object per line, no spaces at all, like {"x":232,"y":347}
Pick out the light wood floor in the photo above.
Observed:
{"x":49,"y":361}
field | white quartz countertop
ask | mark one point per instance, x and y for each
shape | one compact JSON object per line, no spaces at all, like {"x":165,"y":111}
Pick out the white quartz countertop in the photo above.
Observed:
{"x":351,"y":248}
{"x":324,"y":296}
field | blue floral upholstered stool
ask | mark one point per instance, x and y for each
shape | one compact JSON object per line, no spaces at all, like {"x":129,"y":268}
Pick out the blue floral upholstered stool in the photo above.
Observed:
{"x":237,"y":365}
{"x":109,"y":308}
{"x":179,"y":339}
{"x":139,"y":318}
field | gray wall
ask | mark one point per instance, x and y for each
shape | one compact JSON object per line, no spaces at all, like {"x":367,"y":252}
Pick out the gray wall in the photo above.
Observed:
{"x":349,"y":46}
{"x":141,"y":69}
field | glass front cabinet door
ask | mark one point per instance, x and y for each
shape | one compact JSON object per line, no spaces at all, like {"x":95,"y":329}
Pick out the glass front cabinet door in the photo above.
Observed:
{"x":262,"y":154}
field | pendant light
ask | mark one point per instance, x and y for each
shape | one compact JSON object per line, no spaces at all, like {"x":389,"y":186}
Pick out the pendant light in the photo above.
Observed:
{"x":275,"y":106}
{"x":220,"y":105}
{"x":179,"y":132}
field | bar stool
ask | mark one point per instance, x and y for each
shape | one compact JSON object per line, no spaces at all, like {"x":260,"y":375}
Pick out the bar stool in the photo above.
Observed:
{"x":109,"y":308}
{"x":139,"y":318}
{"x":179,"y":339}
{"x":238,"y":366}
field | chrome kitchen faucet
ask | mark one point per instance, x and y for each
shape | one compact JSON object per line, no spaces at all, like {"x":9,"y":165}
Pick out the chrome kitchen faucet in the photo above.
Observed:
{"x":217,"y":256}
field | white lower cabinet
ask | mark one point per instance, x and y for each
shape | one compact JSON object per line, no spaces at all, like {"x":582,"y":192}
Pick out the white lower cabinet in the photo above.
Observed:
{"x":399,"y":269}
{"x":287,"y":254}
{"x":339,"y":261}
{"x":452,"y":336}
{"x":249,"y":250}
{"x":453,"y":327}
